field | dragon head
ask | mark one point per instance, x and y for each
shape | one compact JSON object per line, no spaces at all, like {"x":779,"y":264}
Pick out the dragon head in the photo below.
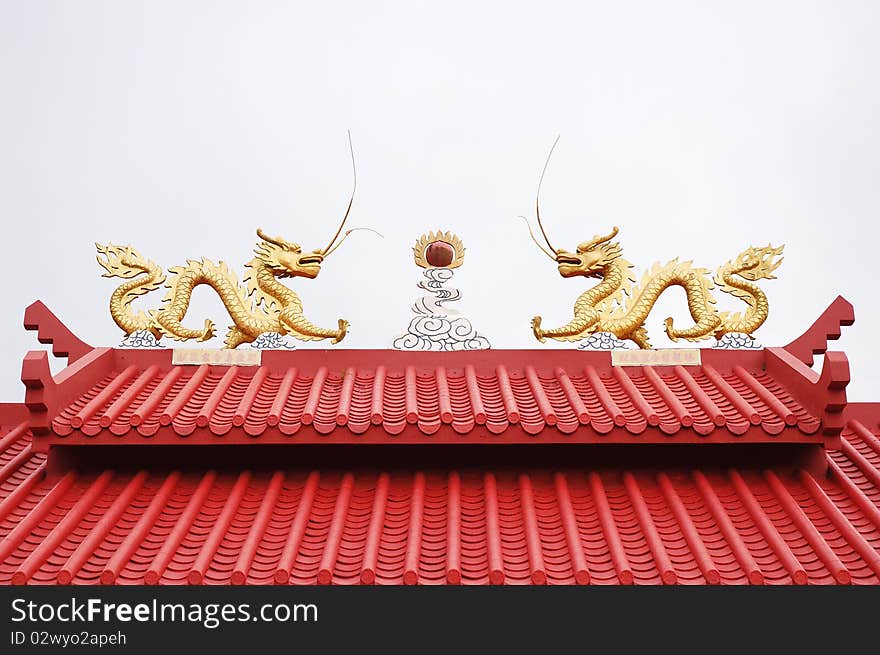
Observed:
{"x":286,"y":259}
{"x":590,"y":258}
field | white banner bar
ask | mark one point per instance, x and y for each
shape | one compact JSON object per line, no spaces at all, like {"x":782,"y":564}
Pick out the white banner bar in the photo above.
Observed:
{"x":664,"y":357}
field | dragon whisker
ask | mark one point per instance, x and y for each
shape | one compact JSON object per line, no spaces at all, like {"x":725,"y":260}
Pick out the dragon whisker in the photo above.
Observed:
{"x":345,"y":236}
{"x":327,"y":250}
{"x":537,"y":243}
{"x":538,"y":194}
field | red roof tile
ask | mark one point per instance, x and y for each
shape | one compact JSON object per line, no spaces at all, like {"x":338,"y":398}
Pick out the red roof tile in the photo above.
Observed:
{"x":470,"y":525}
{"x":317,"y":395}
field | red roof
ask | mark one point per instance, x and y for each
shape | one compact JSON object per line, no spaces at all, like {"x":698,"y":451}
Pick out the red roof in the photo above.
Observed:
{"x":778,"y":496}
{"x":488,"y":396}
{"x":474,"y":524}
{"x":343,"y":393}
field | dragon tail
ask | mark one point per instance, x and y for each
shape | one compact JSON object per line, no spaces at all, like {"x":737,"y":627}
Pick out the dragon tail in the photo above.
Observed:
{"x":738,"y":277}
{"x":127,"y":263}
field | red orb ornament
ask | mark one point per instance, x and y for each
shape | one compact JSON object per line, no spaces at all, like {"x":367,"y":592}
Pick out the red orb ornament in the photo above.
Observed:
{"x":439,"y":254}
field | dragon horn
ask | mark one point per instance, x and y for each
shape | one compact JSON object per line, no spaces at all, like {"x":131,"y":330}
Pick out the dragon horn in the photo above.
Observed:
{"x":597,"y":239}
{"x":327,"y":250}
{"x":278,"y":241}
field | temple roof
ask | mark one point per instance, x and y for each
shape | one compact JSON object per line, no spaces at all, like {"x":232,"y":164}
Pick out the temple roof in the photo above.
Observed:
{"x":494,"y":467}
{"x":473,"y":524}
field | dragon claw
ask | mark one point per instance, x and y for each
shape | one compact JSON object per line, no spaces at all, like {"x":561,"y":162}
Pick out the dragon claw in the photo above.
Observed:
{"x":343,"y":330}
{"x":208,"y":332}
{"x":536,"y":329}
{"x":670,"y":331}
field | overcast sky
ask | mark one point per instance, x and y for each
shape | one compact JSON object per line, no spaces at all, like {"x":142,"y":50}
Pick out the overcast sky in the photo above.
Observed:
{"x":698,"y":127}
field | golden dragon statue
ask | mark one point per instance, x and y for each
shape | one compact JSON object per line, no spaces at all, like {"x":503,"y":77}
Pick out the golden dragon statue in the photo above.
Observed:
{"x":259,"y":305}
{"x":618,"y":306}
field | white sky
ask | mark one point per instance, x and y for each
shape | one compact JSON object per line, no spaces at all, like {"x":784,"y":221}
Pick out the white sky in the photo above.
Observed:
{"x":697,"y":127}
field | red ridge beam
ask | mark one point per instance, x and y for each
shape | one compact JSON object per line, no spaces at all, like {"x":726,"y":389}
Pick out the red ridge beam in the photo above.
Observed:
{"x":337,"y":526}
{"x":771,"y":534}
{"x":184,"y":395}
{"x":740,"y":404}
{"x":443,"y":395}
{"x":297,"y":529}
{"x":210,"y":406}
{"x":533,"y":535}
{"x":507,"y":393}
{"x":707,"y":404}
{"x":250,"y":394}
{"x":806,"y":528}
{"x":493,"y":531}
{"x":609,"y":529}
{"x":572,"y":537}
{"x":258,"y":529}
{"x":635,"y":396}
{"x":149,"y":406}
{"x":540,"y":396}
{"x":88,"y":545}
{"x":473,"y":387}
{"x":221,"y":526}
{"x":453,"y":530}
{"x":311,"y":406}
{"x":412,"y":403}
{"x":776,"y":406}
{"x":91,"y":408}
{"x":842,"y":523}
{"x":54,"y":539}
{"x":731,"y":535}
{"x":414,"y":534}
{"x":571,"y":394}
{"x":672,"y":401}
{"x":691,"y":534}
{"x":611,"y":407}
{"x":655,"y":543}
{"x":139,"y":532}
{"x":345,"y":396}
{"x":281,"y":398}
{"x":33,"y":518}
{"x":120,"y":404}
{"x":378,"y":403}
{"x":374,"y":531}
{"x":181,"y":527}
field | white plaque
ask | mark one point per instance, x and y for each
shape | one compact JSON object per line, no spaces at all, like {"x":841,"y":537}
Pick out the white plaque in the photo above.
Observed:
{"x":664,"y":357}
{"x":217,"y":356}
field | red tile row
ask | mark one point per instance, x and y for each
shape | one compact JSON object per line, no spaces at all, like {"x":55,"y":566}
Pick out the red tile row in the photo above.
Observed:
{"x":184,"y":399}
